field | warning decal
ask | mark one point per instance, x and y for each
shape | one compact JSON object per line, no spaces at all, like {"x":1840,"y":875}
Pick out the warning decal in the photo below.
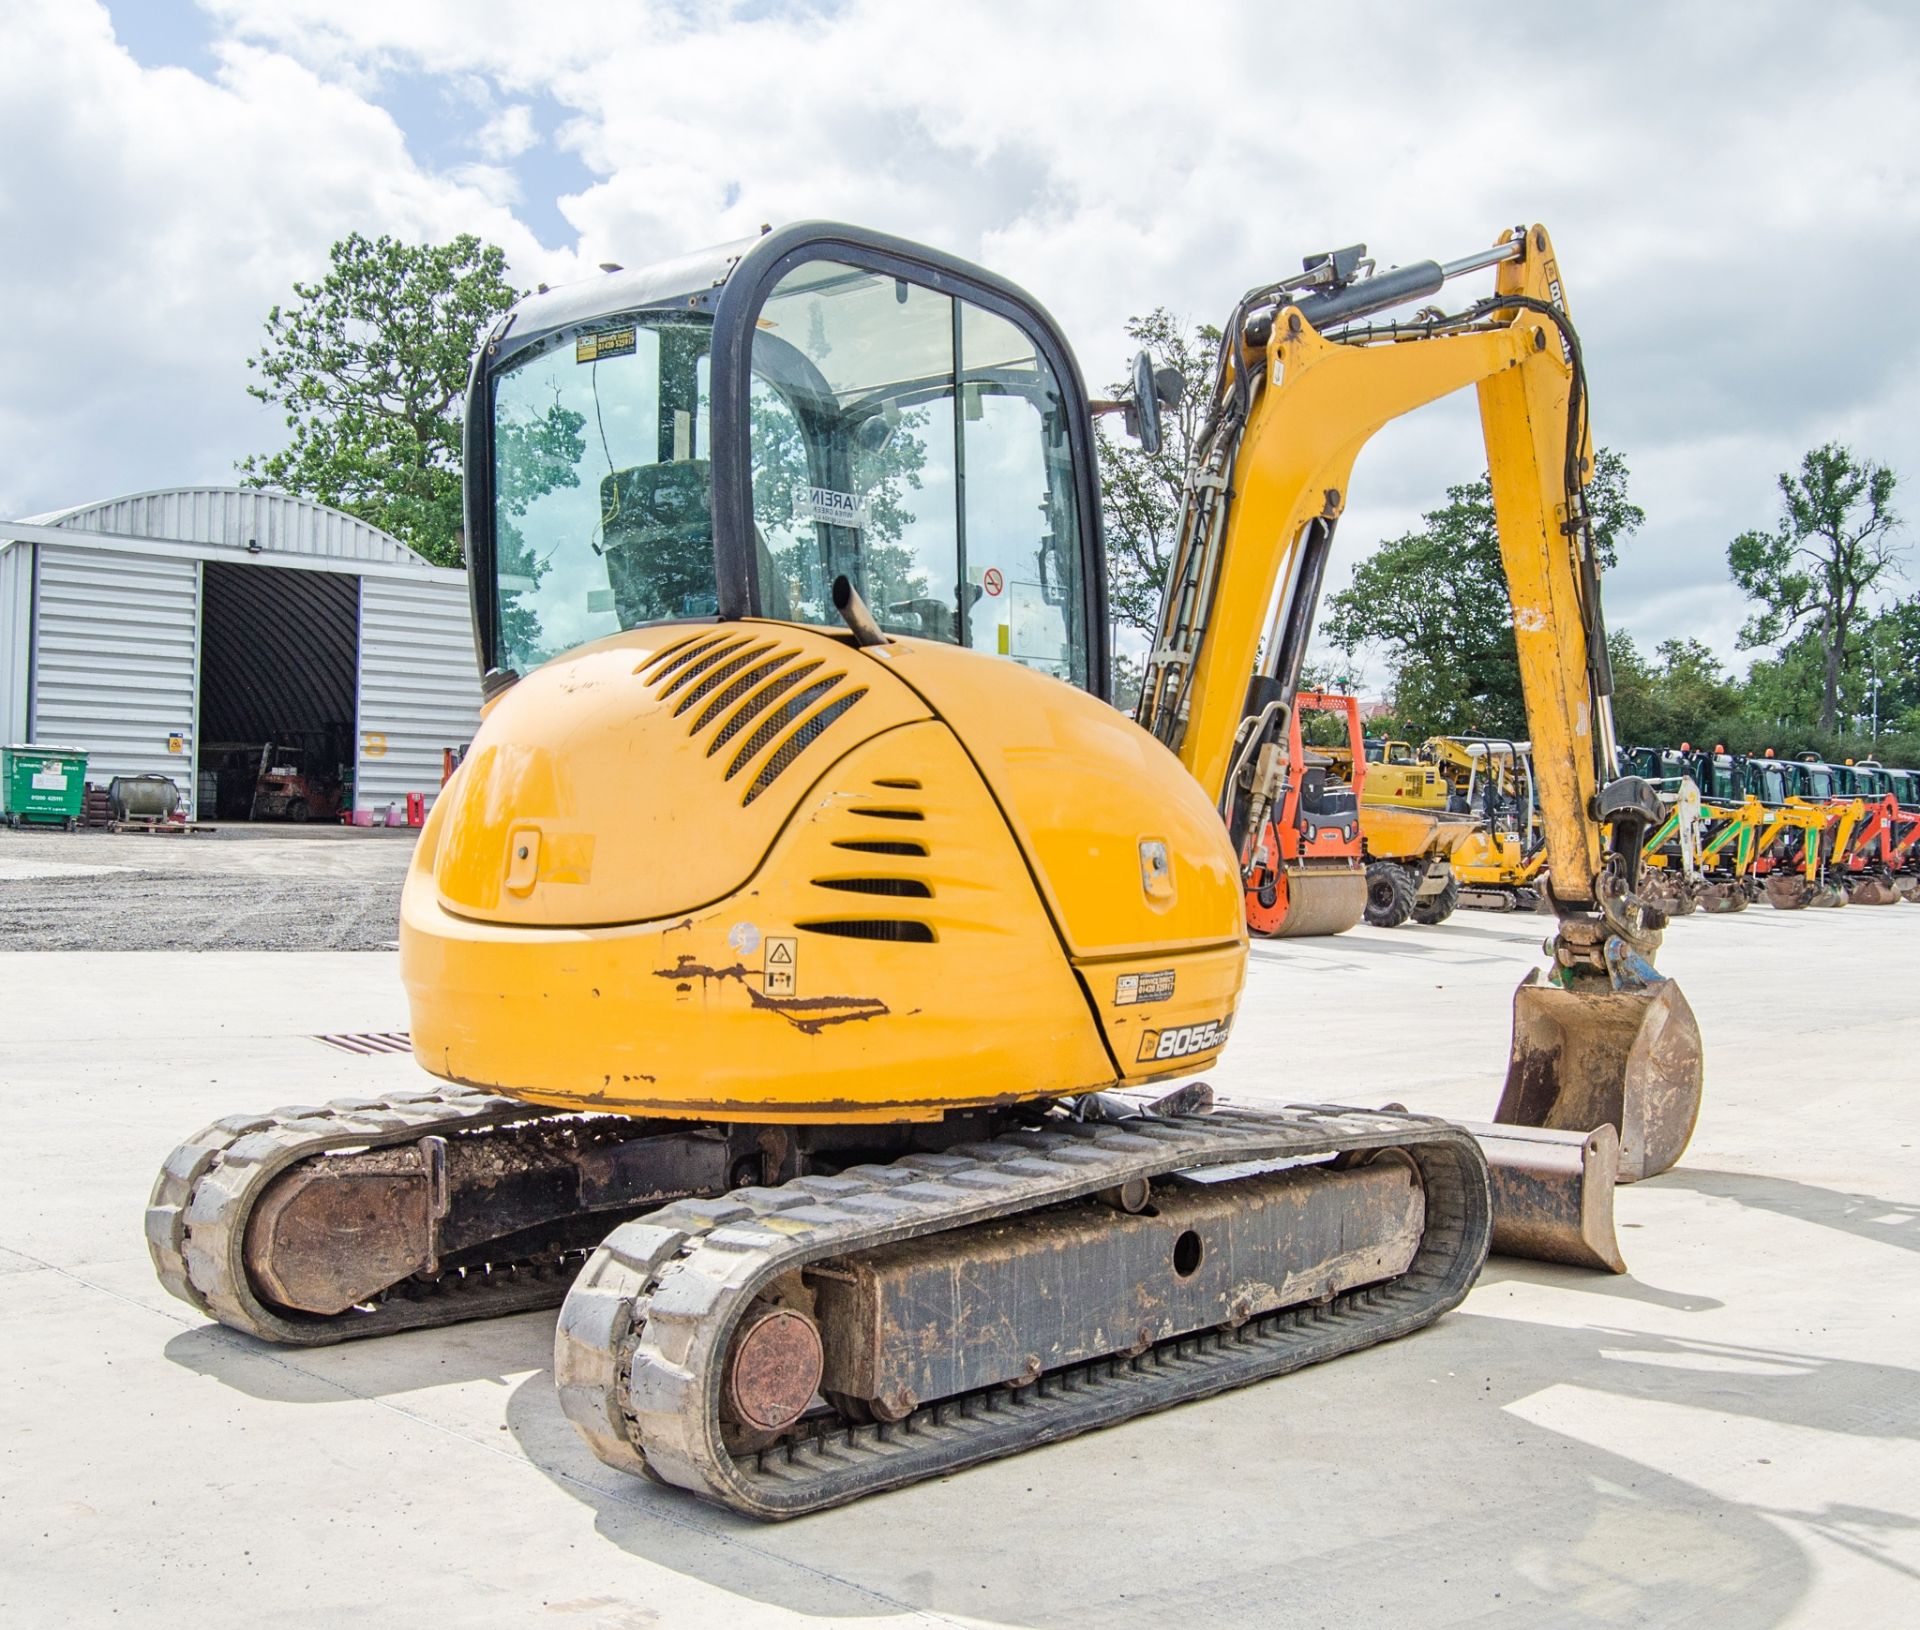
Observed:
{"x":993,"y":582}
{"x":782,"y":959}
{"x":1129,"y":988}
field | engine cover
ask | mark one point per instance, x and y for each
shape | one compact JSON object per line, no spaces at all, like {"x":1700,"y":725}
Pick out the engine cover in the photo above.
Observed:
{"x":756,"y":872}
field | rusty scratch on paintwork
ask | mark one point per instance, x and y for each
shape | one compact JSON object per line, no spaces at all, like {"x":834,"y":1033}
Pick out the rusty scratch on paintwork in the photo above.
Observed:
{"x":808,"y":1014}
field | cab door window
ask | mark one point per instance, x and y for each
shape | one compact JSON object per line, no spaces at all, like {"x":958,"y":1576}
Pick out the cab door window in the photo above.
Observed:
{"x":916,"y":444}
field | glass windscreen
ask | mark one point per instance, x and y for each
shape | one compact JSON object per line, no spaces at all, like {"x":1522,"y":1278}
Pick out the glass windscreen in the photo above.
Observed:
{"x":916,"y":444}
{"x":602,"y":502}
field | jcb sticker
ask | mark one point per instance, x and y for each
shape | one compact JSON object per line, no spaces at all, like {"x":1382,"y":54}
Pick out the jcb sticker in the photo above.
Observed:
{"x":1183,"y":1041}
{"x":609,"y":342}
{"x":1129,"y":988}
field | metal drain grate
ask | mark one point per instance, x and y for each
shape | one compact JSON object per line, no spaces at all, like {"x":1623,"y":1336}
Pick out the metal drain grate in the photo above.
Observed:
{"x":368,"y":1042}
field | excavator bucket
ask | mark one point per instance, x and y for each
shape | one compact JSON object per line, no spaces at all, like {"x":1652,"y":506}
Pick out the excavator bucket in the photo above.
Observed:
{"x":1321,"y":902}
{"x":1872,"y":890}
{"x":1727,"y":894}
{"x":1907,"y":886}
{"x":1629,"y":1059}
{"x":1789,"y":891}
{"x":1553,"y":1193}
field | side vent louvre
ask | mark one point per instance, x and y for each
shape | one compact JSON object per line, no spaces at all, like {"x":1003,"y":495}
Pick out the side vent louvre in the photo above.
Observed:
{"x":754,"y":705}
{"x":880,"y":846}
{"x":889,"y":814}
{"x":708,"y":658}
{"x":794,"y":745}
{"x":899,"y":784}
{"x":778,"y":720}
{"x":737,"y":682}
{"x":716,"y":677}
{"x":735,"y":691}
{"x":904,"y":888}
{"x":904,"y":932}
{"x":674,"y":655}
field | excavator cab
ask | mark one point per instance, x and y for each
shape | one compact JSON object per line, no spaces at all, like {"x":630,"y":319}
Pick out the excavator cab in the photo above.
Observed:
{"x":724,"y":436}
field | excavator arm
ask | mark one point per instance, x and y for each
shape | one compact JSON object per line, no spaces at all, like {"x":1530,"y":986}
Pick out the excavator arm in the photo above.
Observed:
{"x":1303,"y":381}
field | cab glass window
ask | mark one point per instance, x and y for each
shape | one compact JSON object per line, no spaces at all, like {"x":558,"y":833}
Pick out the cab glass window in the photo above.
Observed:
{"x":916,"y":444}
{"x":602,"y":519}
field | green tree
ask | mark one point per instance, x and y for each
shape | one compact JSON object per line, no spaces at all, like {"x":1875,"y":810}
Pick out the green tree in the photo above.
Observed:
{"x":1834,"y":541}
{"x":369,"y":364}
{"x":1436,"y":601}
{"x":1684,"y":694}
{"x":1140,"y":491}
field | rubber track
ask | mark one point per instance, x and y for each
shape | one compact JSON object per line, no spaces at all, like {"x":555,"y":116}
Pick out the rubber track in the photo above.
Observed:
{"x":197,"y":1215}
{"x":642,"y":1336}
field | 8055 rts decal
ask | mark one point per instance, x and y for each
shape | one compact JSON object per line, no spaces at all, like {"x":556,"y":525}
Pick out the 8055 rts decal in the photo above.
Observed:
{"x":1183,"y":1040}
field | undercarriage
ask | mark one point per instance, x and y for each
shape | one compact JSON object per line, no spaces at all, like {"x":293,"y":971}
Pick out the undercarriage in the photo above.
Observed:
{"x":784,"y":1318}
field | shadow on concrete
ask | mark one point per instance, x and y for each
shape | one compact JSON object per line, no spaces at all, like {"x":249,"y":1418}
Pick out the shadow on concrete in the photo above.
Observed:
{"x":486,"y":1350}
{"x":1523,"y":927}
{"x":1891,"y":1222}
{"x":1502,"y":1270}
{"x":1367,"y":1491}
{"x":1421,"y":950}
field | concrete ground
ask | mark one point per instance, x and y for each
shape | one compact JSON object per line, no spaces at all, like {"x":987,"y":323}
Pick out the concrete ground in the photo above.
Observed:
{"x":238,"y":887}
{"x":1725,"y":1437}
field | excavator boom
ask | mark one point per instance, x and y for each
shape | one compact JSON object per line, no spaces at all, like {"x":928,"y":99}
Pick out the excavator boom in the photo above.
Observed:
{"x":1302,"y":383}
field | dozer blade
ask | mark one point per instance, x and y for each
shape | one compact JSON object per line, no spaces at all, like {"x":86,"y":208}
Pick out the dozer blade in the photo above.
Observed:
{"x":1321,"y":903}
{"x":1553,"y":1194}
{"x":1872,"y":891}
{"x":1589,"y":1058}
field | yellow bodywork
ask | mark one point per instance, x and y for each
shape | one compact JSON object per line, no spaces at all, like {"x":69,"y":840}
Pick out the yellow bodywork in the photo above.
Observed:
{"x":599,"y":916}
{"x":1494,"y":860}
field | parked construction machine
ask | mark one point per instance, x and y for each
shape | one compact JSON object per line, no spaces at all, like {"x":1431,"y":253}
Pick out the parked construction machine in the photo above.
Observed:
{"x":1501,"y":864}
{"x":1307,"y":876}
{"x":1411,"y":825}
{"x":806,"y":946}
{"x":1809,"y":829}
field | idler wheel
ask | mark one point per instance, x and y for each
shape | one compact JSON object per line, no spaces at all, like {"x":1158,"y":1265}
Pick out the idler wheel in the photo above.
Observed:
{"x":774,"y":1369}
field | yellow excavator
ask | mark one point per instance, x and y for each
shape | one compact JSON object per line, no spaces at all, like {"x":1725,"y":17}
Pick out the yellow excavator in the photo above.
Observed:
{"x":815,"y":966}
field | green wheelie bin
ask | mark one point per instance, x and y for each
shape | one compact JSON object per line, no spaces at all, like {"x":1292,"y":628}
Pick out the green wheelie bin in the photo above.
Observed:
{"x":42,"y":786}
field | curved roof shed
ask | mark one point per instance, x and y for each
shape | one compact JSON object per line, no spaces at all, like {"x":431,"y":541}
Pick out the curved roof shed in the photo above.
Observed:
{"x":109,"y":639}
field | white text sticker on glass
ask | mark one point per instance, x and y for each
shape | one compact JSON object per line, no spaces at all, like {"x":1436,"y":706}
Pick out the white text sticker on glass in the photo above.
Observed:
{"x":835,"y":508}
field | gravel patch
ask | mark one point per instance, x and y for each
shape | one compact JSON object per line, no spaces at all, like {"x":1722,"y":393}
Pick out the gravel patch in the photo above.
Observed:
{"x":244,"y":890}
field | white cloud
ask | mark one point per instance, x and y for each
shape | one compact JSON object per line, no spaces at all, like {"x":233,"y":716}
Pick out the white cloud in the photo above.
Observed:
{"x":1732,"y":195}
{"x":508,"y":134}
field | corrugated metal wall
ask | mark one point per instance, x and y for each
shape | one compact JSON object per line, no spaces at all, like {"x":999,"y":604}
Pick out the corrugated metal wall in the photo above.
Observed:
{"x":117,"y":660}
{"x":16,"y":639}
{"x":419,"y":687}
{"x":238,"y":516}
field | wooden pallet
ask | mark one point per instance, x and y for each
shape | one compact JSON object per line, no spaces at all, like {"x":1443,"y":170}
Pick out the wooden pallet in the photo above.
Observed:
{"x":151,"y":826}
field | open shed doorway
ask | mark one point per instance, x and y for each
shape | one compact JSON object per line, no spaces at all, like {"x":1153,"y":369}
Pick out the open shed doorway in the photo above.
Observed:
{"x":279,"y":652}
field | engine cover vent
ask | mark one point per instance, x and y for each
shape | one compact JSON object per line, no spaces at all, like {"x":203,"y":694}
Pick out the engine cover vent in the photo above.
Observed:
{"x":900,"y":930}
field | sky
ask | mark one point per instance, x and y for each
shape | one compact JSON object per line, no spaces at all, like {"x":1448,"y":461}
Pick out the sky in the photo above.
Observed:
{"x":1732,"y":192}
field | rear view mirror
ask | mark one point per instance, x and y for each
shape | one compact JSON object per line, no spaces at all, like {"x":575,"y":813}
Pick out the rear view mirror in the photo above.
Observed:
{"x":1151,"y":390}
{"x":1143,"y":412}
